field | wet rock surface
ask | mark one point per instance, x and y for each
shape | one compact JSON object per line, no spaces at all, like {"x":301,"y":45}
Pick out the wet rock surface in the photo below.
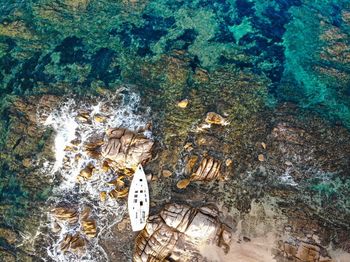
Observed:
{"x":213,"y":78}
{"x":294,"y":162}
{"x":126,"y":148}
{"x":178,"y":231}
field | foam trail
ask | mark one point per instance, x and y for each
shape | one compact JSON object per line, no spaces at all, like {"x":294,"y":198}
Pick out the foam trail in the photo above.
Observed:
{"x":63,"y":122}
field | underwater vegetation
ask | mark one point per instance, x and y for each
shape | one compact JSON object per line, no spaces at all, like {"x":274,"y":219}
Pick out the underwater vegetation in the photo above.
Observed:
{"x":273,"y":74}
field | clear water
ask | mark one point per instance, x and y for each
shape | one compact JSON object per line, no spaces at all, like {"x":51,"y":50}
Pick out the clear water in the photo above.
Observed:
{"x":257,"y":54}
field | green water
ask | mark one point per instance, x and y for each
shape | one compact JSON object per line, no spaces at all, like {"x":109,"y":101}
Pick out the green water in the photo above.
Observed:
{"x":288,"y":50}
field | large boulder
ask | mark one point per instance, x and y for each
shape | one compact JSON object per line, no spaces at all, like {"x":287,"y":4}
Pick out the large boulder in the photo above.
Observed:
{"x":126,"y":148}
{"x":177,"y":226}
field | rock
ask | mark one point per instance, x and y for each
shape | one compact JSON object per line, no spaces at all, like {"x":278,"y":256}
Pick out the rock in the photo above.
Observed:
{"x":105,"y":166}
{"x":118,"y":182}
{"x":126,"y":149}
{"x":27,"y":162}
{"x":166,"y":173}
{"x":209,"y":169}
{"x":188,"y":147}
{"x":93,"y":148}
{"x":55,"y":228}
{"x":103,"y":196}
{"x":74,"y":243}
{"x":89,"y":227}
{"x":304,"y":252}
{"x":261,"y":157}
{"x":85,"y":214}
{"x":118,"y":193}
{"x":100,"y":118}
{"x":216,"y":119}
{"x":288,"y":163}
{"x":86,"y":173}
{"x":183,"y":103}
{"x":71,"y":149}
{"x":228,"y":162}
{"x":183,"y":183}
{"x":191,"y":163}
{"x":307,"y":252}
{"x":123,"y":224}
{"x":83,"y":116}
{"x":149,"y":177}
{"x":177,"y":226}
{"x":8,"y":235}
{"x":65,"y":214}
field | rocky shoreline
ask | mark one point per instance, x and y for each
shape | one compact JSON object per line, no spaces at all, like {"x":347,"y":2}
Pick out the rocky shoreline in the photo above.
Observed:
{"x":238,"y":111}
{"x":281,"y":186}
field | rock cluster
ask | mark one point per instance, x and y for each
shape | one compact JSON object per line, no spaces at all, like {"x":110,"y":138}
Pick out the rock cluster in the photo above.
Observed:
{"x":119,"y":152}
{"x":176,"y":226}
{"x":120,"y":149}
{"x":70,"y":218}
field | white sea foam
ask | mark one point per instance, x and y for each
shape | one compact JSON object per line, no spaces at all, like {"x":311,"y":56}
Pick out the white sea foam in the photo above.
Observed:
{"x":120,"y":110}
{"x":287,"y":179}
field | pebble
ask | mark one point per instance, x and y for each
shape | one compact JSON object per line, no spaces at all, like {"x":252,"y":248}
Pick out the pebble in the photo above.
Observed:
{"x":228,"y":162}
{"x":100,"y":119}
{"x":26,"y":162}
{"x":215,"y":118}
{"x":183,"y":183}
{"x":288,"y":163}
{"x":261,"y":158}
{"x":166,"y":173}
{"x":183,"y":103}
{"x":103,"y":196}
{"x":188,"y":147}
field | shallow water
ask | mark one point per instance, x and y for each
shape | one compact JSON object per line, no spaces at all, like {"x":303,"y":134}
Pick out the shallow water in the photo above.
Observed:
{"x":244,"y":59}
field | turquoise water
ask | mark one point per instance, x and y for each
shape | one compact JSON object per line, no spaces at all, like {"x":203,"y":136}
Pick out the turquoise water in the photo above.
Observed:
{"x":286,"y":50}
{"x":86,"y":44}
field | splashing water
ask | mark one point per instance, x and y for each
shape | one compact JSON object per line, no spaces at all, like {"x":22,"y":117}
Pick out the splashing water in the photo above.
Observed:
{"x":72,"y":132}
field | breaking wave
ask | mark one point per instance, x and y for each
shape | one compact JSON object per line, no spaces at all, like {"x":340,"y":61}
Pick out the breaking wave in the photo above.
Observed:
{"x":76,"y":123}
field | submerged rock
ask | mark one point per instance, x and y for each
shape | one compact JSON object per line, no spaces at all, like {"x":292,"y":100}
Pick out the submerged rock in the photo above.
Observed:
{"x":216,"y":119}
{"x":176,"y":226}
{"x":166,"y":173}
{"x":183,"y":103}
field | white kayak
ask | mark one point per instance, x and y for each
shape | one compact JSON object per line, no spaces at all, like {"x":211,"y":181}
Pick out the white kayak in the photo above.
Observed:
{"x":138,"y":200}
